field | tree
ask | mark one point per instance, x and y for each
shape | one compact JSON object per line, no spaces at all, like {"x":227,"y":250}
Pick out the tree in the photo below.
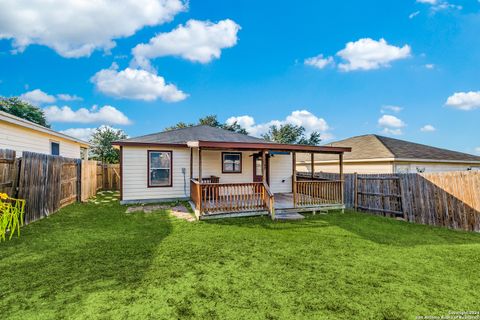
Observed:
{"x":102,"y":149}
{"x":24,"y":110}
{"x":212,"y":121}
{"x":291,"y":134}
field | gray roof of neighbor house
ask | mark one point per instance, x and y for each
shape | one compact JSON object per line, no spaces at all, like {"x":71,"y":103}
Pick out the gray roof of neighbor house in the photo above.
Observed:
{"x":373,"y":146}
{"x":195,"y":133}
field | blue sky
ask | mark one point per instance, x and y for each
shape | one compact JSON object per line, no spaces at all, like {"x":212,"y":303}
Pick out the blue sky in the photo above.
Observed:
{"x":344,"y":68}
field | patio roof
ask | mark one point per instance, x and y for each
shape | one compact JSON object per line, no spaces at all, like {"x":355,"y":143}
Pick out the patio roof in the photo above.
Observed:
{"x":266,"y":146}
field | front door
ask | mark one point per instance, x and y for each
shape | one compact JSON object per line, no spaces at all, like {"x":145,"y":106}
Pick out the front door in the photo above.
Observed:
{"x":258,"y":168}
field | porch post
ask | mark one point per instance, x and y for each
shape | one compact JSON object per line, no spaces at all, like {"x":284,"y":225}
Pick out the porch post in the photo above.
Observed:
{"x":199,"y":165}
{"x":312,"y":159}
{"x":342,"y":178}
{"x":294,"y":178}
{"x":191,"y":163}
{"x":264,"y":167}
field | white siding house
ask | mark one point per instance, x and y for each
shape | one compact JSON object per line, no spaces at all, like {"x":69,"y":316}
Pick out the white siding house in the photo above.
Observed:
{"x":22,"y":135}
{"x":135,"y":168}
{"x":221,"y":171}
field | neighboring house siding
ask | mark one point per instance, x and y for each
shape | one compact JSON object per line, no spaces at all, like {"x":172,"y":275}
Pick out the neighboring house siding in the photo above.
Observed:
{"x":376,"y":167}
{"x":389,"y":167}
{"x":135,"y":174}
{"x":413,"y":167}
{"x":24,"y":139}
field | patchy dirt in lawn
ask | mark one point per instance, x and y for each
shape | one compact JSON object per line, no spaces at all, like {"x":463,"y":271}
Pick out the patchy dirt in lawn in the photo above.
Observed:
{"x":178,"y":211}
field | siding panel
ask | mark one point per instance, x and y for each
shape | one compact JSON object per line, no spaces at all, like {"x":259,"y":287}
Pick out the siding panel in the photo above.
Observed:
{"x":23,"y":139}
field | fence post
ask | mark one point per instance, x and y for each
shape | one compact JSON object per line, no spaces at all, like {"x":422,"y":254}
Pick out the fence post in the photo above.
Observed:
{"x":355,"y":191}
{"x":79,"y":180}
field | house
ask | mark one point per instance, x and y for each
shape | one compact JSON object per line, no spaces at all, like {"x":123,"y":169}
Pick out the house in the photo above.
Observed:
{"x":222,"y":173}
{"x":376,"y":154}
{"x":22,"y":135}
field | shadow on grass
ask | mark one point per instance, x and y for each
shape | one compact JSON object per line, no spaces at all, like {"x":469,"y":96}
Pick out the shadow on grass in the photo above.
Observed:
{"x":82,"y":249}
{"x":389,"y":231}
{"x":264,"y":222}
{"x":386,"y":231}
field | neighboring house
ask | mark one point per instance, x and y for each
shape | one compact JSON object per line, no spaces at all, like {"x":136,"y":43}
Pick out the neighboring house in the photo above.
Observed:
{"x":22,"y":135}
{"x":221,"y":171}
{"x":376,"y":154}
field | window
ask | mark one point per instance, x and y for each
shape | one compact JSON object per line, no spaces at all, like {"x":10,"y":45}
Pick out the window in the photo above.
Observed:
{"x":55,"y":148}
{"x":231,"y":162}
{"x":258,"y":166}
{"x":159,"y":168}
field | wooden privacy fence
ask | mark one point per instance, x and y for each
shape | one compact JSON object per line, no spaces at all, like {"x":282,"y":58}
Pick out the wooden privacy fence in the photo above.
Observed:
{"x":89,"y":179}
{"x":109,"y":176}
{"x":378,"y":193}
{"x":449,"y":199}
{"x":48,"y":183}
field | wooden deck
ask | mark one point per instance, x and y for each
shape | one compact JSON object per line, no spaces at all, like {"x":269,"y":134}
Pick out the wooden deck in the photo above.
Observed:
{"x":283,"y":205}
{"x":255,"y":198}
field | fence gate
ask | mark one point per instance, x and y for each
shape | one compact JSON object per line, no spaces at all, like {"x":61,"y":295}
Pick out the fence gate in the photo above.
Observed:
{"x":379,"y":194}
{"x":8,"y":172}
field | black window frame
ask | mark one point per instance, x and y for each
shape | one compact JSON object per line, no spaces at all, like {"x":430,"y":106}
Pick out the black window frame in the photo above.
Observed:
{"x":239,"y":171}
{"x":51,"y":148}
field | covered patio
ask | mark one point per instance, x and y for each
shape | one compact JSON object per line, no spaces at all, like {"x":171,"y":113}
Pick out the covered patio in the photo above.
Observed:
{"x":215,"y":198}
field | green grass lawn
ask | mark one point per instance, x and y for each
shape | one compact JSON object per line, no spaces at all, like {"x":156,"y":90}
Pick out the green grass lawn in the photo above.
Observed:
{"x":94,"y":261}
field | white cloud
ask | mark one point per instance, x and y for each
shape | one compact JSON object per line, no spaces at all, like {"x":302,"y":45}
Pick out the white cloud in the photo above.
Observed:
{"x":413,"y":14}
{"x":477,"y":150}
{"x":391,"y":108}
{"x":80,"y":133}
{"x":464,"y":100}
{"x":68,"y":97}
{"x":319,"y":61}
{"x":303,"y":118}
{"x":391,"y":124}
{"x":136,"y":84}
{"x":428,"y":128}
{"x":198,"y":41}
{"x":428,"y":1}
{"x":368,"y":54}
{"x":437,"y":5}
{"x":430,"y":66}
{"x":106,"y":114}
{"x":75,"y":28}
{"x":37,"y":97}
{"x":84,"y":133}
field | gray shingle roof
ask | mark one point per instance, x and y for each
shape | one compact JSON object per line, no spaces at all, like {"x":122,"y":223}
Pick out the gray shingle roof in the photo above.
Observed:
{"x":195,"y":133}
{"x":374,"y":147}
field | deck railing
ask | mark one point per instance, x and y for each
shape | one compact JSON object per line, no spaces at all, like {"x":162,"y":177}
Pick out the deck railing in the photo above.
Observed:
{"x":214,"y":198}
{"x":313,"y":193}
